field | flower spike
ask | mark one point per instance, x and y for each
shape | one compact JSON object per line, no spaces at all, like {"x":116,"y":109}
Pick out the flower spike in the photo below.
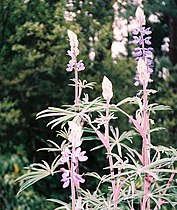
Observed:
{"x":73,"y":53}
{"x":143,"y":52}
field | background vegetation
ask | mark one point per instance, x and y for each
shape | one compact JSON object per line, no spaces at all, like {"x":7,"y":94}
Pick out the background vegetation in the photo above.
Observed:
{"x":33,"y":45}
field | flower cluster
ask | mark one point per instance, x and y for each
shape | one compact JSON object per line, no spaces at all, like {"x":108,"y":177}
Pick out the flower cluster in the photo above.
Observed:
{"x":143,"y":52}
{"x":73,"y":53}
{"x":72,"y":157}
{"x":77,"y":178}
{"x":65,"y":158}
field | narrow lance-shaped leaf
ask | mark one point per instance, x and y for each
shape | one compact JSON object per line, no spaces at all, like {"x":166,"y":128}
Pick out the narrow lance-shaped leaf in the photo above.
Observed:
{"x":38,"y":172}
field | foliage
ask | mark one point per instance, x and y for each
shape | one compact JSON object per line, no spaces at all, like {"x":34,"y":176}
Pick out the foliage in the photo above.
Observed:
{"x":142,"y":176}
{"x":32,"y":48}
{"x":11,"y":168}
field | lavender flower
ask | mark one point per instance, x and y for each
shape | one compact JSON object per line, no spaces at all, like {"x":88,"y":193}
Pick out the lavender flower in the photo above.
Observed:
{"x":77,"y":178}
{"x":80,"y":155}
{"x":65,"y":177}
{"x":143,"y":51}
{"x":66,"y":153}
{"x":80,"y":66}
{"x":70,"y":65}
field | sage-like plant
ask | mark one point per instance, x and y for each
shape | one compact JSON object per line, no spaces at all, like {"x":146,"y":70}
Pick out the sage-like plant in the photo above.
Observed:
{"x":142,"y":177}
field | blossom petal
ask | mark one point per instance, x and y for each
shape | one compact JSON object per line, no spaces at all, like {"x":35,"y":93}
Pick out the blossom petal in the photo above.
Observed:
{"x":66,"y":184}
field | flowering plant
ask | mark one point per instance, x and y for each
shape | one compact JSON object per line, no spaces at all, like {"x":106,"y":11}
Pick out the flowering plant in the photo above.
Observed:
{"x":145,"y":177}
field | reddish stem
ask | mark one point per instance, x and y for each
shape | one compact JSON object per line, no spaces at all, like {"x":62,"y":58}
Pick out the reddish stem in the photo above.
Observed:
{"x":108,"y":148}
{"x":160,"y":201}
{"x":72,"y":182}
{"x":76,"y":101}
{"x":146,"y":149}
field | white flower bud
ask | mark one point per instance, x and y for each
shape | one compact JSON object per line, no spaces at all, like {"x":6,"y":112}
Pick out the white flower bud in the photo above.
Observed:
{"x":72,"y":36}
{"x":143,"y":75}
{"x":75,"y":134}
{"x":140,"y":17}
{"x":73,"y":42}
{"x":107,"y":89}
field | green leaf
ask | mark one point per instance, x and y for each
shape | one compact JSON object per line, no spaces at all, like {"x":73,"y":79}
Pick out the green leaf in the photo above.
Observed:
{"x":38,"y":172}
{"x":63,"y":204}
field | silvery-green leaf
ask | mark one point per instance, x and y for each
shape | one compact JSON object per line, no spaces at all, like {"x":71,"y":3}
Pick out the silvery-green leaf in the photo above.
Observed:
{"x":64,"y":205}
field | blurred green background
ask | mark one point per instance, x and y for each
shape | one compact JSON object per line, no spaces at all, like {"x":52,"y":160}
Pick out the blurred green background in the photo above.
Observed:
{"x":33,"y":46}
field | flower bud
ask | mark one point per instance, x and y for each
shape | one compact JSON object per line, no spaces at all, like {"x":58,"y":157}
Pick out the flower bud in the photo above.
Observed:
{"x":73,"y":42}
{"x":75,"y":134}
{"x":143,"y":74}
{"x":107,"y":89}
{"x":140,"y":17}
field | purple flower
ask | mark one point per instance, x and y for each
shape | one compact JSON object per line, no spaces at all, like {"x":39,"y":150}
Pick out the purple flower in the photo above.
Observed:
{"x":77,"y":178}
{"x":70,"y":66}
{"x":65,"y":177}
{"x":65,"y":155}
{"x":147,"y":40}
{"x":138,"y":53}
{"x":80,"y":155}
{"x":136,"y":31}
{"x":136,"y":40}
{"x":146,"y":31}
{"x":80,"y":66}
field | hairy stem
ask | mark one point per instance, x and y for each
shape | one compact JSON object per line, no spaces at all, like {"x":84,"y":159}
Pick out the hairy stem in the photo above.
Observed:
{"x":76,"y":101}
{"x":72,"y":182}
{"x":146,"y":149}
{"x":109,"y":151}
{"x":146,"y":137}
{"x":76,"y":88}
{"x":160,"y":201}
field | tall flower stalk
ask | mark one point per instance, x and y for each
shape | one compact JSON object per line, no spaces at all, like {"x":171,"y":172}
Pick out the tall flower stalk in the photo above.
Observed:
{"x":107,"y":95}
{"x":144,"y":57}
{"x":76,"y":66}
{"x":73,"y":64}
